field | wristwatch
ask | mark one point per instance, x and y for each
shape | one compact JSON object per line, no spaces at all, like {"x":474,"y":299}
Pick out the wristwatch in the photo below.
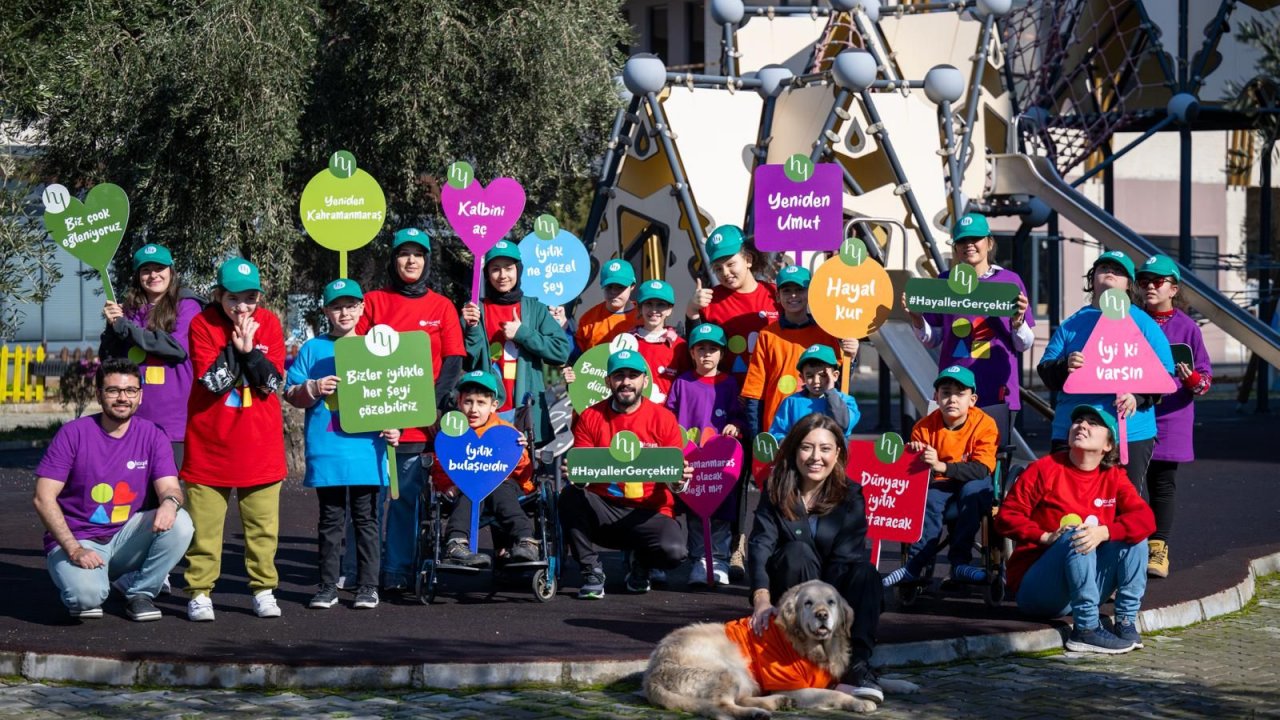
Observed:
{"x":177,"y":504}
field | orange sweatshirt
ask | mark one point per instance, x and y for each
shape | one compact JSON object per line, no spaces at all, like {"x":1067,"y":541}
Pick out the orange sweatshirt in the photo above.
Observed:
{"x":775,"y":664}
{"x":522,"y":476}
{"x":598,"y":325}
{"x":974,"y":441}
{"x":772,"y":374}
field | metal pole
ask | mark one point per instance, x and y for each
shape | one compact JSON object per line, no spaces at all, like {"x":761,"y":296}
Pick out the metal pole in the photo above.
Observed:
{"x":682,"y":183}
{"x":886,"y":390}
{"x":1055,"y":274}
{"x":728,"y":62}
{"x":1266,"y":308}
{"x":762,"y":157}
{"x":946,"y":120}
{"x":1184,"y":200}
{"x":975,"y":83}
{"x":825,"y":136}
{"x":1109,"y":180}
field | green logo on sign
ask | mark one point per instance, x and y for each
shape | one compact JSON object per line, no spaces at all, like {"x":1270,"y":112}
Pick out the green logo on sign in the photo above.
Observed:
{"x":546,"y":227}
{"x":625,"y":446}
{"x":460,"y":175}
{"x":1114,"y":304}
{"x":889,"y":448}
{"x":853,"y":251}
{"x":765,"y":447}
{"x":342,"y":164}
{"x":962,"y":279}
{"x":798,"y":168}
{"x":454,"y":424}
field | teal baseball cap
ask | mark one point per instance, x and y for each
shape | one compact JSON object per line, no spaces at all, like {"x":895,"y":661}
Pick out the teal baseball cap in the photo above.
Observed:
{"x":956,"y":374}
{"x":413,"y":235}
{"x":794,"y":275}
{"x":239,"y":275}
{"x":724,"y":241}
{"x":503,"y":249}
{"x":1119,"y":258}
{"x":708,"y":332}
{"x":152,"y":253}
{"x":340,"y":288}
{"x":971,"y":225}
{"x":617,"y":272}
{"x":656,"y":290}
{"x":1108,"y":418}
{"x":1161,"y":265}
{"x":818,"y":353}
{"x":481,"y":378}
{"x":627,"y":360}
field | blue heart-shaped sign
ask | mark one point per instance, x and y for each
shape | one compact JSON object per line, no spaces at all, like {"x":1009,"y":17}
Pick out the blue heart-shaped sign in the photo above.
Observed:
{"x":477,"y":464}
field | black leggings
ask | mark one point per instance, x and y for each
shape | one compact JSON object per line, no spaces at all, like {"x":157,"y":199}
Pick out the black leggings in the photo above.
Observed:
{"x":1162,"y":483}
{"x":589,"y":520}
{"x":858,"y":583}
{"x":503,"y":502}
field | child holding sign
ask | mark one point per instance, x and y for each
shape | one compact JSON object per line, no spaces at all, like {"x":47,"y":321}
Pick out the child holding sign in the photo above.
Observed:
{"x":154,"y":324}
{"x":661,"y":346}
{"x":237,"y":351}
{"x":820,"y":373}
{"x":610,"y":318}
{"x":408,"y":304}
{"x":514,"y":334}
{"x":1065,"y":355}
{"x":1158,"y":280}
{"x":478,"y":399}
{"x":740,"y":304}
{"x":705,"y":400}
{"x":772,"y":373}
{"x":347,"y":471}
{"x":958,"y":442}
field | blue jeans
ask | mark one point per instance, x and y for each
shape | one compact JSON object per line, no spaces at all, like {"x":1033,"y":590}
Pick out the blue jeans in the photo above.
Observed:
{"x":721,"y":539}
{"x":401,"y":540}
{"x":972,"y":501}
{"x":134,"y":548}
{"x":1063,"y":581}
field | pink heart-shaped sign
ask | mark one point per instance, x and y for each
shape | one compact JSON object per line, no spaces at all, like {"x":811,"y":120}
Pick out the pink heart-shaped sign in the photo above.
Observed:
{"x":717,"y":465}
{"x":480,"y":215}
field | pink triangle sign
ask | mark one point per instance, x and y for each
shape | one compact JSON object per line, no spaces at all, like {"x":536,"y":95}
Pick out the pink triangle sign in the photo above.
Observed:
{"x":1118,"y":359}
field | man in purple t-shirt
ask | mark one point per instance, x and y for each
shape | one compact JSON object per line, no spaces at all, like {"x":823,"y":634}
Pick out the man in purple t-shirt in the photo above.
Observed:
{"x":92,"y":496}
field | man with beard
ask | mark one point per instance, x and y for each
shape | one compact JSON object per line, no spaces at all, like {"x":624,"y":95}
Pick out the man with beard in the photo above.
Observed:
{"x":94,"y":494}
{"x":634,"y":517}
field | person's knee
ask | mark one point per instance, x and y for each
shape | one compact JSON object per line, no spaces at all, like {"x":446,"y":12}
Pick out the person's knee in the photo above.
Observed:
{"x":672,"y":550}
{"x":85,"y":590}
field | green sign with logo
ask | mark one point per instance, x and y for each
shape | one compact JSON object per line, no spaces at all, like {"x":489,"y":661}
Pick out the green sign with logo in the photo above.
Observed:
{"x":385,"y":380}
{"x":626,"y":463}
{"x":961,"y":293}
{"x":90,"y":230}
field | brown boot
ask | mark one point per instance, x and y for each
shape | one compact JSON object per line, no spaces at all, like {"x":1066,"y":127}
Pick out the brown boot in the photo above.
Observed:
{"x":1158,"y":558}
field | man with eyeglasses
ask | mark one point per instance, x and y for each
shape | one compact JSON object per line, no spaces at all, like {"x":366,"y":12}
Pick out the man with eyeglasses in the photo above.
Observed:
{"x":107,"y":492}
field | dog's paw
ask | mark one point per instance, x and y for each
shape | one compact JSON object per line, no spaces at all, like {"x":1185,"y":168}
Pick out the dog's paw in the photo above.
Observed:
{"x":858,"y":705}
{"x":897,"y":686}
{"x":779,"y":702}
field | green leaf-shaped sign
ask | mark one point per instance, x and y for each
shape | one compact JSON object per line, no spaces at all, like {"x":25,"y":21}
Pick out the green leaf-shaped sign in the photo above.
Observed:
{"x":91,"y":230}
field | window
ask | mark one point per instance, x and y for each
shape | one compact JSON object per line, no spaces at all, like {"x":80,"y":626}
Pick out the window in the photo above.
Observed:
{"x":658,"y":44}
{"x":695,"y":26}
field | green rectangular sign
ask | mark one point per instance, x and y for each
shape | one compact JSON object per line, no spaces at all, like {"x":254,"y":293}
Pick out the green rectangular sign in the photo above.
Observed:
{"x":930,"y":295}
{"x":651,"y":465}
{"x":385,"y":380}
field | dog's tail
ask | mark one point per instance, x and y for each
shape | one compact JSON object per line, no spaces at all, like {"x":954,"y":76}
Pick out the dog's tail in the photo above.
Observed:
{"x":723,"y":708}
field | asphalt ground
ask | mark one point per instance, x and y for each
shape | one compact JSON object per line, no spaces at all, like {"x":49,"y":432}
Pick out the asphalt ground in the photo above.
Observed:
{"x":1229,"y":512}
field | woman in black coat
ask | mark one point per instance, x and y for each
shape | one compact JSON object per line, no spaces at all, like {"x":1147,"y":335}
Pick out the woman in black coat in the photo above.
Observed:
{"x":812,"y":525}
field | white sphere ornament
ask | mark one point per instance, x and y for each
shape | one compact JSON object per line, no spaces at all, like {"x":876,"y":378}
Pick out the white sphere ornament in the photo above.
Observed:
{"x":773,"y":80}
{"x":943,"y":83}
{"x":727,"y":12}
{"x":854,"y":69}
{"x":644,"y":74}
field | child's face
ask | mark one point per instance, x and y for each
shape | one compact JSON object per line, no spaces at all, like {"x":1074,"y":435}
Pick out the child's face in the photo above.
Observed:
{"x":706,"y":357}
{"x":733,"y":271}
{"x":502,"y":273}
{"x":477,"y":405}
{"x":655,"y":313}
{"x":971,"y":250}
{"x":954,"y":400}
{"x":1157,"y":291}
{"x":616,"y":297}
{"x":239,"y":304}
{"x":793,"y":298}
{"x":1107,"y":276}
{"x":818,"y":378}
{"x":343,"y":313}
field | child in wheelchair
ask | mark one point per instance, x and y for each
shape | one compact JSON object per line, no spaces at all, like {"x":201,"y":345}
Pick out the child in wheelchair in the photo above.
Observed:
{"x":959,"y":442}
{"x":478,"y":400}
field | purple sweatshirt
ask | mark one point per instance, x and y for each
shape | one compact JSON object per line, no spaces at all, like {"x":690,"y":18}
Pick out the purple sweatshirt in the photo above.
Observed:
{"x":702,"y":403}
{"x":1176,"y":413}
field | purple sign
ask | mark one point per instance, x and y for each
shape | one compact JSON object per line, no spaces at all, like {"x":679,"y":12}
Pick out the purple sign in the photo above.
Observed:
{"x":791,"y":216}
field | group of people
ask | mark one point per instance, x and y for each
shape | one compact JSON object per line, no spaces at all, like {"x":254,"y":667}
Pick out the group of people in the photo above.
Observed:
{"x":125,"y":494}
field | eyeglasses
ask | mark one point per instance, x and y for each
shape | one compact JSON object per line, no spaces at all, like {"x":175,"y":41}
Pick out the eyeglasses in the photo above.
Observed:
{"x":357,"y":309}
{"x":129,"y":392}
{"x":1155,"y":282}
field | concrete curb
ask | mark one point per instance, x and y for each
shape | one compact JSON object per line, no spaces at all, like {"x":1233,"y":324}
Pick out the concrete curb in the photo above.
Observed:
{"x":110,"y":671}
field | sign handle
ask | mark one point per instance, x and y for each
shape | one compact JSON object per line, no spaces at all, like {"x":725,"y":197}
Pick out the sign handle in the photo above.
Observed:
{"x":844,"y":374}
{"x":106,"y":284}
{"x":475,"y":522}
{"x":393,"y":473}
{"x":1124,"y":441}
{"x":475,"y":282}
{"x":706,"y":551}
{"x":875,"y":552}
{"x":342,"y":263}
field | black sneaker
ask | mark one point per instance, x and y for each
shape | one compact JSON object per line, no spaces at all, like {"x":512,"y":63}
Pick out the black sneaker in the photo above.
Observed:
{"x":864,"y":682}
{"x":1097,"y":640}
{"x":637,"y":575}
{"x":592,"y":584}
{"x":1126,"y":629}
{"x":139,"y":608}
{"x":525,"y":550}
{"x":325,"y":599}
{"x":366,"y":597}
{"x":458,"y":552}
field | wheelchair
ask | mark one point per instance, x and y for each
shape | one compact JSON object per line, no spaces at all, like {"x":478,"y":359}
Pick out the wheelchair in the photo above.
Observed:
{"x":541,"y":504}
{"x":991,"y":548}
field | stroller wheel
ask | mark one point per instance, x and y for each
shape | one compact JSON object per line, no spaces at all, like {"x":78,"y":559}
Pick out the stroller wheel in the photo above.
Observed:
{"x":993,"y":592}
{"x":544,"y":585}
{"x":909,"y":593}
{"x":426,"y":584}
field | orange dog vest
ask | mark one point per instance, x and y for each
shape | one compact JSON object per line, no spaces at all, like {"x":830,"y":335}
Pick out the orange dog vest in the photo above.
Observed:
{"x":773,"y":662}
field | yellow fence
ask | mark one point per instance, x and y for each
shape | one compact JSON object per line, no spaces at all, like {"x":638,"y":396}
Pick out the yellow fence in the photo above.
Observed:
{"x":16,"y":383}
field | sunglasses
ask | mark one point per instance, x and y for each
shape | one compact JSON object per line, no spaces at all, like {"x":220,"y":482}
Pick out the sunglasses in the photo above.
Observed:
{"x":1155,"y":282}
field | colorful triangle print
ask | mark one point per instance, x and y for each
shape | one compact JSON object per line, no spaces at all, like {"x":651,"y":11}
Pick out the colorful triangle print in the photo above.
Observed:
{"x":961,"y":351}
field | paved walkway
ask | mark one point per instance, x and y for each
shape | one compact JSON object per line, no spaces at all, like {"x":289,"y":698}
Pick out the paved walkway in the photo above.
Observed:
{"x":1226,"y":668}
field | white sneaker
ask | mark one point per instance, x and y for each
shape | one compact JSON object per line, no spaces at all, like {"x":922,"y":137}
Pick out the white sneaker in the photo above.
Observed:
{"x":698,"y":573}
{"x":264,"y":604}
{"x":200,"y":609}
{"x":721,"y":572}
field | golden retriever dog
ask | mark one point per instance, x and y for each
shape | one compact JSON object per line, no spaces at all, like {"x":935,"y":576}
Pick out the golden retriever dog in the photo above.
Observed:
{"x":701,"y":669}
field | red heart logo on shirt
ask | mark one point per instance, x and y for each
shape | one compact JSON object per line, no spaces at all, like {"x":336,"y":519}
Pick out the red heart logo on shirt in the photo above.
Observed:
{"x":124,"y":494}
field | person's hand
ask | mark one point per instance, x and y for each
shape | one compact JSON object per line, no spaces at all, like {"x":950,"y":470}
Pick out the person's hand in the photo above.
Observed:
{"x":326,"y":386}
{"x":1050,"y":538}
{"x":731,"y":430}
{"x":112,"y":312}
{"x":568,"y":374}
{"x":557,"y":314}
{"x":700,"y":300}
{"x":85,"y":558}
{"x":849,"y":347}
{"x":1019,"y":312}
{"x":1087,"y":538}
{"x":917,"y":320}
{"x":763,"y":613}
{"x":391,"y":436}
{"x":165,"y":515}
{"x":243,"y":332}
{"x":1075,"y":361}
{"x":930,"y":456}
{"x":471,"y":314}
{"x":1126,"y":405}
{"x":686,"y":477}
{"x":916,"y":446}
{"x":522,"y":441}
{"x":509,"y":329}
{"x":1184,"y":371}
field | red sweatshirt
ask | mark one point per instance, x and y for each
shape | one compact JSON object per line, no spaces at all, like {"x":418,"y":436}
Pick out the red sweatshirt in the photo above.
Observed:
{"x":653,"y":424}
{"x":1051,"y":490}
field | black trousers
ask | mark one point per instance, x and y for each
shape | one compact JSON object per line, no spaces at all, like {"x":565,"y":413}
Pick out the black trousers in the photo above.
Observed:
{"x":1139,"y":459}
{"x":858,"y":583}
{"x":362,"y":502}
{"x":589,"y":520}
{"x":1162,"y":484}
{"x":503,"y":503}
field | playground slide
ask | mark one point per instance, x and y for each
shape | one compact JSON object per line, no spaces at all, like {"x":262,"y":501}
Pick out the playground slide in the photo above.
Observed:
{"x":1017,"y":174}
